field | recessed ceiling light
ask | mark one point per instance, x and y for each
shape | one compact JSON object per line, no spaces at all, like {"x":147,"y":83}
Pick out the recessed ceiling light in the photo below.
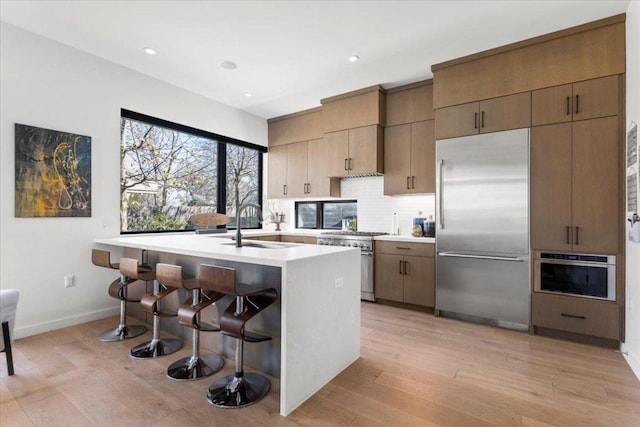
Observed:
{"x":248,"y":94}
{"x":229,"y":65}
{"x":149,"y":51}
{"x":353,"y":58}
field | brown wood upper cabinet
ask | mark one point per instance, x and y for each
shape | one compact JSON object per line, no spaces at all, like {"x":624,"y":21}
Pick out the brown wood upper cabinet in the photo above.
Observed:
{"x":409,"y":158}
{"x":491,"y":115}
{"x":575,"y":186}
{"x":301,"y":126}
{"x":410,"y":103}
{"x":578,"y":101}
{"x":355,"y":109}
{"x":354,"y":152}
{"x":293,"y":173}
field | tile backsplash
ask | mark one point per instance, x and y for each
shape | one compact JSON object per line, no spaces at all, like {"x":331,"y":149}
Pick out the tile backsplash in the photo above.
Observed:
{"x":375,"y":210}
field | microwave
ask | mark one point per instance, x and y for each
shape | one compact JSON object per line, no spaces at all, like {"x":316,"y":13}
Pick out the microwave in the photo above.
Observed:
{"x":584,"y":275}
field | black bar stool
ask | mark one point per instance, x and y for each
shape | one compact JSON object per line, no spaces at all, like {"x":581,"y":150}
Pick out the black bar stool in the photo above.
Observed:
{"x":163,"y":286}
{"x":118,"y":290}
{"x":195,"y":366}
{"x":239,"y":389}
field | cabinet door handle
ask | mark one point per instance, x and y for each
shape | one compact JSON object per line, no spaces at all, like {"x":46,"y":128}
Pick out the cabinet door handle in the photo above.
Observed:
{"x":345,"y":164}
{"x":400,"y":267}
{"x":568,"y":235}
{"x":403,"y":248}
{"x":413,"y":182}
{"x":405,"y":266}
{"x":577,"y":235}
{"x":482,"y":119}
{"x":573,"y":316}
{"x":284,"y":189}
{"x":475,"y":120}
{"x":350,"y":163}
{"x":308,"y":188}
{"x":568,"y":105}
{"x":577,"y":104}
{"x":407,"y":183}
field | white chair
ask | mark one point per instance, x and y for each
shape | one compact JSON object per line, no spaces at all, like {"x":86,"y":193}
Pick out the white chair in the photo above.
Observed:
{"x":8,"y":304}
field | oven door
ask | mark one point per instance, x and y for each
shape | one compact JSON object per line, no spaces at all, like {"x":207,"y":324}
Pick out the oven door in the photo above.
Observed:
{"x":586,"y":279}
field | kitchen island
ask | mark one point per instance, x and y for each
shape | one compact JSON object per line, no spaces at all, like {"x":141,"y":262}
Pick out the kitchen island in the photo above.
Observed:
{"x":316,"y":320}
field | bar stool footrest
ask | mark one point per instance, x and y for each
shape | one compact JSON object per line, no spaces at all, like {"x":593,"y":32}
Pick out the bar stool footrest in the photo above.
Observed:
{"x":237,"y":391}
{"x":249,"y":336}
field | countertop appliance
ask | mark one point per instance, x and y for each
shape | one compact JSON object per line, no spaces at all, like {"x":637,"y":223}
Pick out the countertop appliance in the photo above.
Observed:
{"x":356,"y":239}
{"x":482,"y":242}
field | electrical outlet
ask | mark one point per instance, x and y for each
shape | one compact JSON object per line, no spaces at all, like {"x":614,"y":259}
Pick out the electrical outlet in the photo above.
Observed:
{"x":339,"y":282}
{"x":69,"y":281}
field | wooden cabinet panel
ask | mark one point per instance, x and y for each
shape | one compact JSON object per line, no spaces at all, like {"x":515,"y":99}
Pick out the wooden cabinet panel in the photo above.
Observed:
{"x":551,"y":187}
{"x":388,"y":280}
{"x":356,"y":109}
{"x":308,"y":240}
{"x":459,"y":120}
{"x":595,"y":185}
{"x":277,"y":172}
{"x":506,"y":112}
{"x":337,"y":146}
{"x":405,"y":248}
{"x":419,"y":280}
{"x":297,"y":127}
{"x":552,"y":105}
{"x":397,"y":159}
{"x":413,"y":104}
{"x":596,"y":98}
{"x":577,"y":315}
{"x":595,"y":50}
{"x":296,"y":169}
{"x":318,"y":182}
{"x":423,"y":157}
{"x":366,"y":150}
{"x":580,"y":101}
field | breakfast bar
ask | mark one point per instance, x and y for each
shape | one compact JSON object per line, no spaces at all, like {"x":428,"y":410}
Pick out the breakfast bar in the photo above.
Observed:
{"x":317,"y":315}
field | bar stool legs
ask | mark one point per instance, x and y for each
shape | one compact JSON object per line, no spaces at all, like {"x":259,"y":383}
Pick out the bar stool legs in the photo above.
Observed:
{"x":239,"y":389}
{"x":157,"y":346}
{"x":195,"y":366}
{"x":122,"y":331}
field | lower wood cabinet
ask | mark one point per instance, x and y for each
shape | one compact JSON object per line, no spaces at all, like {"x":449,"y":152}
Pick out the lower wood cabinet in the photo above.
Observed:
{"x":405,"y":272}
{"x":576,"y":314}
{"x":309,"y":240}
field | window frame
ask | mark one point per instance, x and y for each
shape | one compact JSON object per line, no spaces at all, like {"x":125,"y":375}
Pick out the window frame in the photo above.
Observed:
{"x":222,"y":142}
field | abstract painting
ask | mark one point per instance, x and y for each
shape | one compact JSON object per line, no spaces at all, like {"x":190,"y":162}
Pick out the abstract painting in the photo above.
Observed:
{"x":53,"y":173}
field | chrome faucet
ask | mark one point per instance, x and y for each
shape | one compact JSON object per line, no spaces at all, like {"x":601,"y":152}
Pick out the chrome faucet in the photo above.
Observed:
{"x":238,"y":213}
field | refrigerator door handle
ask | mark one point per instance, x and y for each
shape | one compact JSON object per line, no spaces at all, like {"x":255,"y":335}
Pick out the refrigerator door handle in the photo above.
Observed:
{"x":488,"y":257}
{"x":440,"y":198}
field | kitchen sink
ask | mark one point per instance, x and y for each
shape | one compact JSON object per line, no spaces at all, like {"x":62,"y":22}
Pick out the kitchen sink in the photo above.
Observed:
{"x":262,"y":245}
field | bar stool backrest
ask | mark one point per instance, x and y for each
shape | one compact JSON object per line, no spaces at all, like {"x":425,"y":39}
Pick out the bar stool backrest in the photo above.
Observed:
{"x":219,"y":279}
{"x":102,"y":259}
{"x":129,"y":267}
{"x":171,"y":275}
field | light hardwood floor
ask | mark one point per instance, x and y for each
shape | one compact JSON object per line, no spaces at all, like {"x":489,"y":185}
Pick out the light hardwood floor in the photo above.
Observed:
{"x":414,"y":370}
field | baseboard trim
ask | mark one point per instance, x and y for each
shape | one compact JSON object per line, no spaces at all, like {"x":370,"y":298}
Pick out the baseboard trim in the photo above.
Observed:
{"x":632,"y":359}
{"x":39,"y":328}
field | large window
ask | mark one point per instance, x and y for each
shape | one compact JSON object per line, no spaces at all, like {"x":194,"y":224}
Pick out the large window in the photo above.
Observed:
{"x":170,"y":172}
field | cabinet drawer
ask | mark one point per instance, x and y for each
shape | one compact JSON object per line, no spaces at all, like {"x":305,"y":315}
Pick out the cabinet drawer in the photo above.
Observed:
{"x":575,"y":314}
{"x":309,"y":240}
{"x":405,"y":248}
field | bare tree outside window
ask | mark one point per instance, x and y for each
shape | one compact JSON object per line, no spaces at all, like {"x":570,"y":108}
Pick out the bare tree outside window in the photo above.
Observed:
{"x":242,"y":182}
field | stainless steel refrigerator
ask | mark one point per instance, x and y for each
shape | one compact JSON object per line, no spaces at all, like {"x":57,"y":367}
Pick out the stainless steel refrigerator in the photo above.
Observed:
{"x":482,"y":238}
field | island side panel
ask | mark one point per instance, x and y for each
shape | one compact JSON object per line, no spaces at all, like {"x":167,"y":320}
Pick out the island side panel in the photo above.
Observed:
{"x":320,"y":323}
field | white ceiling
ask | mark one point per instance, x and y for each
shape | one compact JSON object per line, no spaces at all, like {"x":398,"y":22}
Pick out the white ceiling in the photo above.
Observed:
{"x":290,"y":54}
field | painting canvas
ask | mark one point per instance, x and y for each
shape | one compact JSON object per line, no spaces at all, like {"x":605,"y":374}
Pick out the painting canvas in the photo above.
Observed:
{"x":53,"y":173}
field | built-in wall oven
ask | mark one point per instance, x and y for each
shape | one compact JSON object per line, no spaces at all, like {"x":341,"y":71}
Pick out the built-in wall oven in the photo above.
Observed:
{"x":592,"y":276}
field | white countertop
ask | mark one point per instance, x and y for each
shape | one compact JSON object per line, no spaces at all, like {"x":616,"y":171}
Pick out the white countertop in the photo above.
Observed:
{"x":213,"y":246}
{"x":406,"y":238}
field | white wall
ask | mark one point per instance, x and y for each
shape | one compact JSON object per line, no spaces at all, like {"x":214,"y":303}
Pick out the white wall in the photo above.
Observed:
{"x":632,"y":315}
{"x":50,"y":85}
{"x":375,"y":210}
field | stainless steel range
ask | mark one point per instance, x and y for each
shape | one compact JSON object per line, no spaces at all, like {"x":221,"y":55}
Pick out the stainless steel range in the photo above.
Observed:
{"x":356,"y":239}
